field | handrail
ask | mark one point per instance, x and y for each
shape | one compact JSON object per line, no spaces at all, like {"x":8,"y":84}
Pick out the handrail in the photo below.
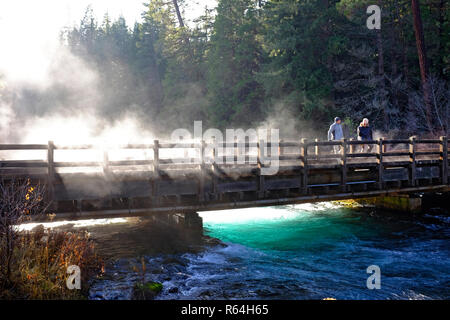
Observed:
{"x":410,"y":150}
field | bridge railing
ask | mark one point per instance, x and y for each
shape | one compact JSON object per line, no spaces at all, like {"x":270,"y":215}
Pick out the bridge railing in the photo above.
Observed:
{"x":218,"y":159}
{"x":251,"y":154}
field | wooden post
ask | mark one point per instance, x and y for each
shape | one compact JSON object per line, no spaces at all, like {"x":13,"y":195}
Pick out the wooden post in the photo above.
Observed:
{"x":185,"y":151}
{"x":201,"y":195}
{"x":51,"y":174}
{"x":261,"y":157}
{"x":344,"y":165}
{"x":280,"y":148}
{"x":316,"y":149}
{"x":236,"y":151}
{"x":215,"y":154}
{"x":156,"y":175}
{"x":380,"y":162}
{"x":107,"y":200}
{"x":443,"y":146}
{"x":105,"y":162}
{"x":412,"y":161}
{"x":304,"y":154}
{"x":352,"y":146}
{"x":247,"y":150}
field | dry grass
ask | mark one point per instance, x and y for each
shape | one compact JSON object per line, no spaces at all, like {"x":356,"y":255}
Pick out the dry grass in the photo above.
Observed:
{"x":33,"y":264}
{"x":40,"y":262}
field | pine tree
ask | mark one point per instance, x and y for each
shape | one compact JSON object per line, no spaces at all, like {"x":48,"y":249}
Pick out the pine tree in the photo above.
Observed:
{"x":234,"y":60}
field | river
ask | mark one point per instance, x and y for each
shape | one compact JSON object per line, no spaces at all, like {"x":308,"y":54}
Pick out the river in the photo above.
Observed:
{"x":309,"y":251}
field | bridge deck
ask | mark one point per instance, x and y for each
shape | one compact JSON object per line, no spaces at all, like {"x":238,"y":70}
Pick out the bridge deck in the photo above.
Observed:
{"x":169,"y":177}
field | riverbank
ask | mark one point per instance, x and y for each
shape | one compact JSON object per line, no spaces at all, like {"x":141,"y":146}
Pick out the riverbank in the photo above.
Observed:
{"x":98,"y":246}
{"x":143,"y":252}
{"x":39,"y":263}
{"x":416,"y":203}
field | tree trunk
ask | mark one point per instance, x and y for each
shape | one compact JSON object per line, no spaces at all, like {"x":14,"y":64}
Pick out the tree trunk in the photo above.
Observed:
{"x":421,"y":52}
{"x":441,"y":44}
{"x":186,"y":37}
{"x":380,"y":54}
{"x":177,"y":10}
{"x":381,"y":71}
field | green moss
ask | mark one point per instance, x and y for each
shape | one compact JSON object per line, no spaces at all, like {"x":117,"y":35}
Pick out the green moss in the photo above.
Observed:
{"x":147,"y":290}
{"x":153,"y":286}
{"x":156,"y":287}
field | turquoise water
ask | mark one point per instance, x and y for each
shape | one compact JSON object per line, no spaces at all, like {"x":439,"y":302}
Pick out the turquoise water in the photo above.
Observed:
{"x":323,"y":250}
{"x":310,"y":251}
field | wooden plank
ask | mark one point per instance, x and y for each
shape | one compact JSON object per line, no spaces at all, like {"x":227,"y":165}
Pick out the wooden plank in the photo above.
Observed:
{"x":23,"y":164}
{"x":324,"y":143}
{"x":428,"y":141}
{"x":22,"y":174}
{"x":67,"y":164}
{"x":362,"y":155}
{"x":361,"y":165}
{"x":396,"y":141}
{"x":238,"y":186}
{"x":289,"y":144}
{"x":118,"y":163}
{"x":429,"y":172}
{"x":425,"y":153}
{"x":131,"y":189}
{"x":234,"y":159}
{"x":390,"y":164}
{"x":181,"y":145}
{"x":352,"y":142}
{"x":280,"y":184}
{"x":23,"y":146}
{"x":336,"y":165}
{"x":76,"y":147}
{"x":179,"y":161}
{"x":135,"y":146}
{"x":396,"y":153}
{"x":324,"y":156}
{"x":286,"y":157}
{"x":180,"y":187}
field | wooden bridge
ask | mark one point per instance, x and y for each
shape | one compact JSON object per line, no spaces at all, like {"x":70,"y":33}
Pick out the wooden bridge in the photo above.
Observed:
{"x":187,"y":177}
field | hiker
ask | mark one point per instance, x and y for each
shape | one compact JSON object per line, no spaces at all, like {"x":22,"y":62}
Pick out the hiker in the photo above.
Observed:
{"x":336,"y":133}
{"x":365,"y":133}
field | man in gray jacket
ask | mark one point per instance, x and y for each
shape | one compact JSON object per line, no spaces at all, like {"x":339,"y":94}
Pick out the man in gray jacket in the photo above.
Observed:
{"x":336,"y":133}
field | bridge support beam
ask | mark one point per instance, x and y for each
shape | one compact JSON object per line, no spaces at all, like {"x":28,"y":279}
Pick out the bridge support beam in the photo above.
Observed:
{"x":189,"y":221}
